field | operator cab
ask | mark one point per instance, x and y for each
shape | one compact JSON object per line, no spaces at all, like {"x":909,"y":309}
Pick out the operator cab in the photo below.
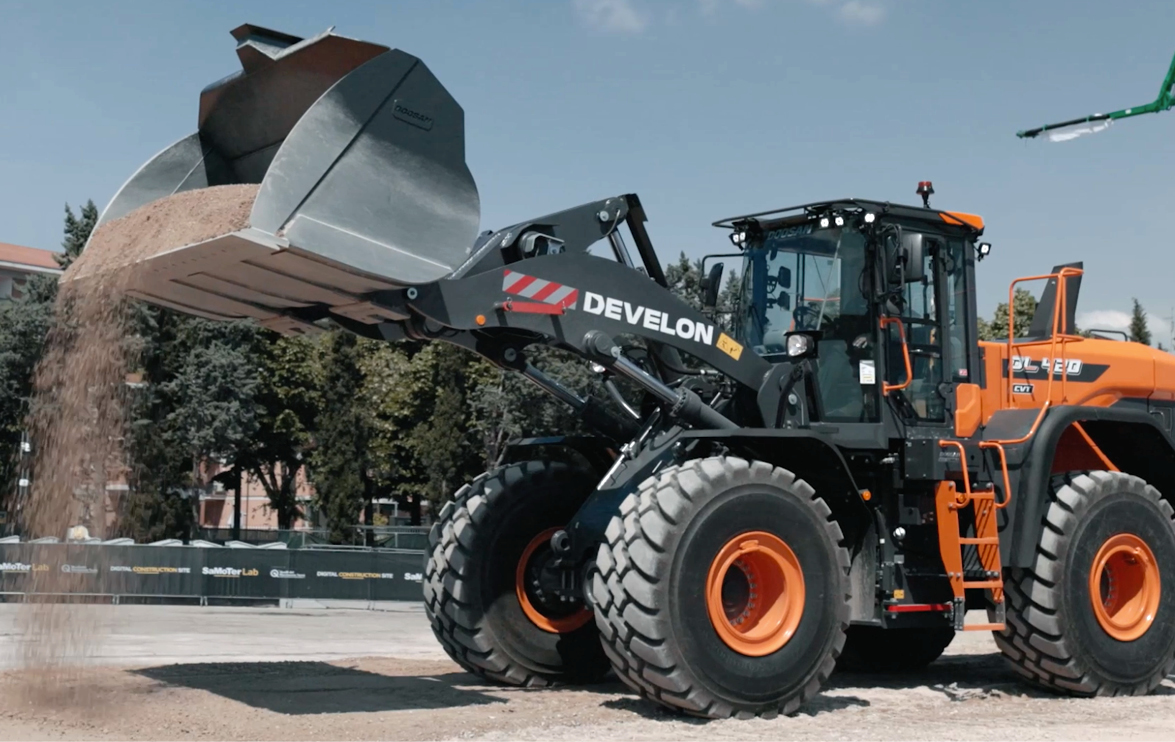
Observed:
{"x":850,"y":291}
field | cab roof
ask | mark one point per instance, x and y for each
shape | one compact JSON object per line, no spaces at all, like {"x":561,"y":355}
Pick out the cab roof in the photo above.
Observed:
{"x":971,"y":222}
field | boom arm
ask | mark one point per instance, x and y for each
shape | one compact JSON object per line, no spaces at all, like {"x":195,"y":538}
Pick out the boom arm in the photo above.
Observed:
{"x":1165,"y":101}
{"x":537,"y":282}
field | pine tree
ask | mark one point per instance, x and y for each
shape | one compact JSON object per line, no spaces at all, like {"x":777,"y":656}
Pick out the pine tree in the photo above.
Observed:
{"x":1139,"y":332}
{"x":341,"y":466}
{"x":77,"y":232}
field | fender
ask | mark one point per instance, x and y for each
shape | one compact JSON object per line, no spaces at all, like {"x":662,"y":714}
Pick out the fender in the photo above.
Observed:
{"x":1106,"y":426}
{"x":599,"y":452}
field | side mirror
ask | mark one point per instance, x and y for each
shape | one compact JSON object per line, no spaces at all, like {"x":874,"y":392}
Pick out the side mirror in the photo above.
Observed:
{"x":711,"y":283}
{"x":783,"y":277}
{"x":913,"y":253}
{"x":783,"y":300}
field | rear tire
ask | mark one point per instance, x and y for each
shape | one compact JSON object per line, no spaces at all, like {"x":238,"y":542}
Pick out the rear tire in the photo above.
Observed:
{"x":872,"y":649}
{"x":1069,"y":635}
{"x":471,"y":585}
{"x":691,"y":611}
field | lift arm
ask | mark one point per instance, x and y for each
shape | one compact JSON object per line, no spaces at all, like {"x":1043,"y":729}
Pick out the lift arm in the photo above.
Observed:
{"x":1090,"y":124}
{"x":537,"y":282}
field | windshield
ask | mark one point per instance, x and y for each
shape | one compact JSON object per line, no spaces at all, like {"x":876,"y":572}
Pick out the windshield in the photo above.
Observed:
{"x":801,"y":278}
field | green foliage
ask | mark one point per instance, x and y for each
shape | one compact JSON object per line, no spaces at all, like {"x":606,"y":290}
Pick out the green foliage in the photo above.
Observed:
{"x":288,"y":397}
{"x":1139,"y":332}
{"x":159,"y":476}
{"x":77,"y":232}
{"x":24,"y":325}
{"x":342,"y":467}
{"x":1024,"y":306}
{"x":213,"y":390}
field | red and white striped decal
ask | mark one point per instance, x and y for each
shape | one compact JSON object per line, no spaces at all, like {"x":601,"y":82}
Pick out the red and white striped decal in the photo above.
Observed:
{"x":539,"y":289}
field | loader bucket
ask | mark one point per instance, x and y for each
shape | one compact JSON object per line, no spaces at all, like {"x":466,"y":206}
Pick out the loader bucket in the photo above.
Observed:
{"x":327,"y":168}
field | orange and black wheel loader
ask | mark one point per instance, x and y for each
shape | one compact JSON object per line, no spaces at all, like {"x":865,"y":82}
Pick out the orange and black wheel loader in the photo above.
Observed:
{"x":837,"y":474}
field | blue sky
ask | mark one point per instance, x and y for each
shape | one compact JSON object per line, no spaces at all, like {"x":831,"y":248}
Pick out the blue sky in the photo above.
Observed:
{"x":706,"y":108}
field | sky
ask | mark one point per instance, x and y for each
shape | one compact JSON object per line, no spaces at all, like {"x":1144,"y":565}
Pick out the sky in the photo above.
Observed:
{"x":704,"y":108}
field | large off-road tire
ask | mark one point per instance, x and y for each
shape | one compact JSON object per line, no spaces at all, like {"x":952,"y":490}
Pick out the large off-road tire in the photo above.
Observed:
{"x":872,"y":649}
{"x":1095,"y":615}
{"x":723,"y":589}
{"x":479,"y":591}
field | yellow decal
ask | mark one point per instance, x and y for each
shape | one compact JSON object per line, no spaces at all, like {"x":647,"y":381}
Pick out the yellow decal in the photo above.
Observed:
{"x":899,"y":594}
{"x":729,"y":346}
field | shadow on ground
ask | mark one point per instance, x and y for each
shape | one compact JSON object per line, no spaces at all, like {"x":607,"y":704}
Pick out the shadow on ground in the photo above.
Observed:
{"x":321,"y":688}
{"x":650,"y":710}
{"x":958,"y":677}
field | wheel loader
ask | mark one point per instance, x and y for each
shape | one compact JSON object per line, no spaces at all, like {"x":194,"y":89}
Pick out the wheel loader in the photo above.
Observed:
{"x":837,"y":474}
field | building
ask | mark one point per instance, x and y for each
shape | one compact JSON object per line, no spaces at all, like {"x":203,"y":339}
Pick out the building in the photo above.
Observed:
{"x":17,"y":263}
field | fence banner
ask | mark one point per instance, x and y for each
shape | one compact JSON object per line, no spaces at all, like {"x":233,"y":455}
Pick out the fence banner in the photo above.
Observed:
{"x":193,"y":572}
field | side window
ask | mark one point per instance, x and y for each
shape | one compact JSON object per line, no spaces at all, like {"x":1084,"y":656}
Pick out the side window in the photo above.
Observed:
{"x":955,"y":276}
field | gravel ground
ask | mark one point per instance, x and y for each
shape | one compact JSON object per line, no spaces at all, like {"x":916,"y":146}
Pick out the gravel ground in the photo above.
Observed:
{"x":171,"y":673}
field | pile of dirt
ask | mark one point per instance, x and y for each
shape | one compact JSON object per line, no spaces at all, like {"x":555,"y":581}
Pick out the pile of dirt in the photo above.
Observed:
{"x":181,"y":219}
{"x":78,"y":414}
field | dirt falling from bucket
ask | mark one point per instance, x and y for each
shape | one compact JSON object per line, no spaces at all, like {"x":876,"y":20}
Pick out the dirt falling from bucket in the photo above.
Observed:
{"x":78,"y":417}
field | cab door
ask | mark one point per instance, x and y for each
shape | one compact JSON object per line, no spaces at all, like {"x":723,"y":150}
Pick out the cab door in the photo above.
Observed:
{"x":936,"y":318}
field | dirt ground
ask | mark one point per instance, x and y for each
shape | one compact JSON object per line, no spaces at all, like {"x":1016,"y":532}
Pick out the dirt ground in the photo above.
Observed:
{"x":303,"y":692}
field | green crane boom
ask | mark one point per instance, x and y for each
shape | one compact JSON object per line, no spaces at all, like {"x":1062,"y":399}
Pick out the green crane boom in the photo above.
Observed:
{"x":1091,"y":124}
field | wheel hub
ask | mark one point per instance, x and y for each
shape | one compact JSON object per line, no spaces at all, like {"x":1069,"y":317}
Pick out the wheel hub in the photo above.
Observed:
{"x":538,"y":588}
{"x":1124,"y":587}
{"x":755,"y":593}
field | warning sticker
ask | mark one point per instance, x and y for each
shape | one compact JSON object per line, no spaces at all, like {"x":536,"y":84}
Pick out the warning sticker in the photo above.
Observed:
{"x":868,"y":372}
{"x":729,"y":346}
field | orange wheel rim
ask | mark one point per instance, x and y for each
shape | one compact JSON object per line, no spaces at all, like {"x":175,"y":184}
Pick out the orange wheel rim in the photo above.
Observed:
{"x":755,"y":593}
{"x":552,"y":624}
{"x":1124,"y":587}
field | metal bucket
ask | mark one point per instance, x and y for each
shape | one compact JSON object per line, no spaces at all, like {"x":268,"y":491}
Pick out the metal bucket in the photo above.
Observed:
{"x":359,"y":155}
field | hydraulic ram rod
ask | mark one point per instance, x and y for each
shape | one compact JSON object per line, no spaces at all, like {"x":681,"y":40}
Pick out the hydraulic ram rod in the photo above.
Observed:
{"x":682,"y":402}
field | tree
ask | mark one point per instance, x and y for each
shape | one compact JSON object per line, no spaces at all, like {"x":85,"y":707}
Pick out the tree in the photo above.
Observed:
{"x":77,"y":232}
{"x":24,"y":326}
{"x":684,"y":280}
{"x":1139,"y":332}
{"x":1024,"y":304}
{"x":24,"y":323}
{"x":341,"y":467}
{"x":155,"y":506}
{"x":213,"y":390}
{"x":288,"y":398}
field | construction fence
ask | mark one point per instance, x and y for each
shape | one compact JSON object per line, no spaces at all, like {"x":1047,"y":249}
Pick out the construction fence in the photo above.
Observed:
{"x":208,"y":573}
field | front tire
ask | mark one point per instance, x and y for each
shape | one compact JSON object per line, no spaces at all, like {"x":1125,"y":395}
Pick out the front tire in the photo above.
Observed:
{"x":480,"y":591}
{"x":1095,"y":615}
{"x":723,"y":590}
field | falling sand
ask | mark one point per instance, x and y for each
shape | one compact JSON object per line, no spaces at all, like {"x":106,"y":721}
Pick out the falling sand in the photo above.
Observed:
{"x":78,"y":412}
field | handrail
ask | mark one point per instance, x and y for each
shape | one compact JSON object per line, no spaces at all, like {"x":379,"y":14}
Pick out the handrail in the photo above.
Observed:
{"x":886,"y":387}
{"x":1060,"y":301}
{"x":998,"y":446}
{"x":961,"y":499}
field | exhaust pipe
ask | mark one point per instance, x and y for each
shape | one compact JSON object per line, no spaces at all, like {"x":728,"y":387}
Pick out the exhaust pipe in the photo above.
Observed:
{"x":325,"y":169}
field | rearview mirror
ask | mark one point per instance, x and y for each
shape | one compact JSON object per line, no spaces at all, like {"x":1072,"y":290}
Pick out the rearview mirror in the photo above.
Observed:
{"x":913,"y":251}
{"x":711,"y":283}
{"x":783,"y":277}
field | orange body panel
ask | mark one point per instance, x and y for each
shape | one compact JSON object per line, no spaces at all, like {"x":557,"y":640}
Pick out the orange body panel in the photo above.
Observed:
{"x":1086,"y":371}
{"x":959,"y":217}
{"x":968,"y":410}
